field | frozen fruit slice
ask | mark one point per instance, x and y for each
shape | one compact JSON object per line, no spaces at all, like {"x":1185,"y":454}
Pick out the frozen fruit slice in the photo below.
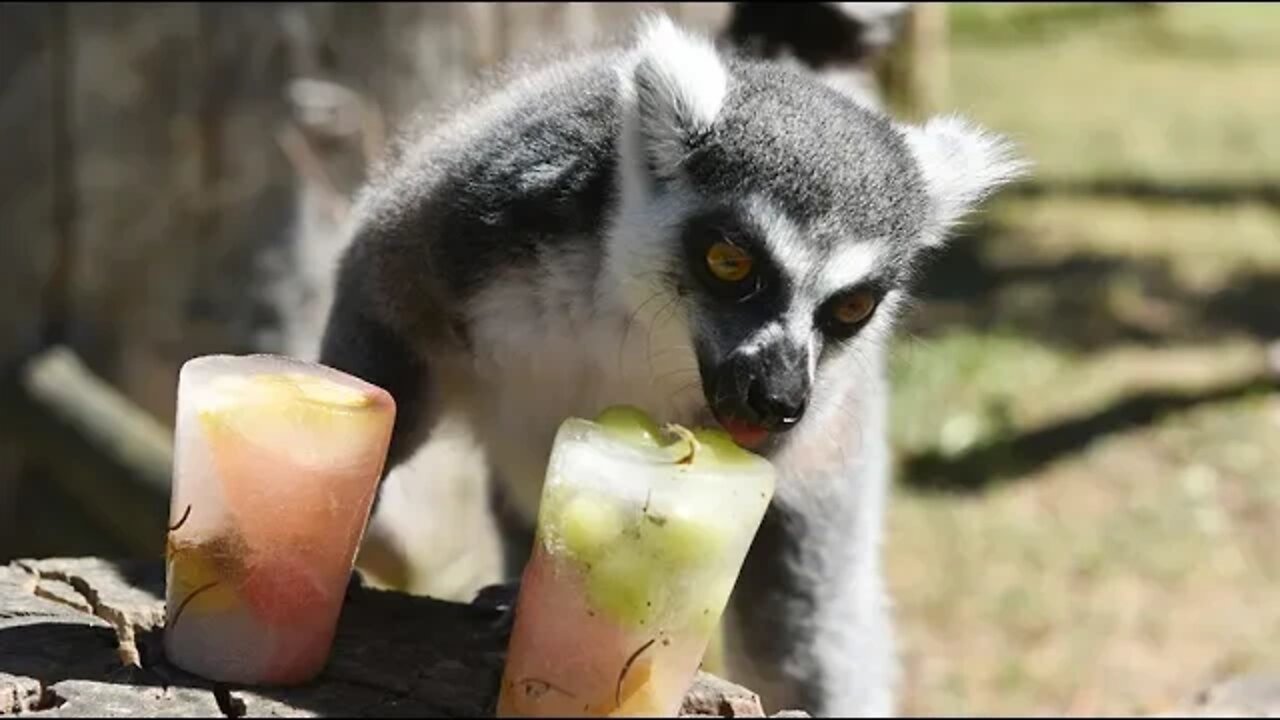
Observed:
{"x":623,"y":584}
{"x":294,"y":453}
{"x":310,"y":420}
{"x":284,"y":590}
{"x":684,"y":539}
{"x":321,"y":391}
{"x":706,"y":607}
{"x":638,"y":694}
{"x":637,"y":429}
{"x":229,"y":388}
{"x":199,"y":580}
{"x":588,"y":524}
{"x":630,"y":423}
{"x":718,"y":447}
{"x":274,"y":500}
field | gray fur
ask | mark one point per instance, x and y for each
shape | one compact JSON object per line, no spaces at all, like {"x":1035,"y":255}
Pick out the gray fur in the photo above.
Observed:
{"x":538,"y":255}
{"x":835,"y":161}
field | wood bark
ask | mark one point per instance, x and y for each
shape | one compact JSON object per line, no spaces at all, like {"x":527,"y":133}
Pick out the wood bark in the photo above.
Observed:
{"x":83,"y":637}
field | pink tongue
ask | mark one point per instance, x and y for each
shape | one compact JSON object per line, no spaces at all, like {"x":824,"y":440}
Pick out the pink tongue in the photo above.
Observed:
{"x":746,"y":435}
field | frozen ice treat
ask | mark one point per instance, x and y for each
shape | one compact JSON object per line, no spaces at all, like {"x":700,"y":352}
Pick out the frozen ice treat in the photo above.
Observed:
{"x":276,"y":462}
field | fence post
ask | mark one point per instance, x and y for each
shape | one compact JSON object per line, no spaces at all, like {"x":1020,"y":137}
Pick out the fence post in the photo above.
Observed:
{"x":915,"y":74}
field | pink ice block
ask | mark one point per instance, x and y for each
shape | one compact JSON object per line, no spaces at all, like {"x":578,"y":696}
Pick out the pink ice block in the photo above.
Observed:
{"x":638,"y":548}
{"x":276,"y":463}
{"x":569,"y":659}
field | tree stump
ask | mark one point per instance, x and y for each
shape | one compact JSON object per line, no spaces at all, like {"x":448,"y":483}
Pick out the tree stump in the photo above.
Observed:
{"x":82,"y":637}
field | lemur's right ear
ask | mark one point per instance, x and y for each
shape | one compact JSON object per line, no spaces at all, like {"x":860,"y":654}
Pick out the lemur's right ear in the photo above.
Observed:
{"x":962,"y":164}
{"x":673,"y":94}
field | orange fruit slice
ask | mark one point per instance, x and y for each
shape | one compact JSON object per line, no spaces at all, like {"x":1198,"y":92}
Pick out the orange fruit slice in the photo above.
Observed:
{"x":296,"y":454}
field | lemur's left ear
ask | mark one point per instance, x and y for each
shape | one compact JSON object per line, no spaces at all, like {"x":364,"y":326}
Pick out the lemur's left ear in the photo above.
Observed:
{"x":677,"y":88}
{"x":962,"y":165}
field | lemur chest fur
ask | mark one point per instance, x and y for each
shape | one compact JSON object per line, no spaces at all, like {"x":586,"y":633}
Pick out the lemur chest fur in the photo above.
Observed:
{"x":549,"y":343}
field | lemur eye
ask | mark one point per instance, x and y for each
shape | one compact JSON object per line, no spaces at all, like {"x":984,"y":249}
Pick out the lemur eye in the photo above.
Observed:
{"x":728,"y":262}
{"x":854,"y":307}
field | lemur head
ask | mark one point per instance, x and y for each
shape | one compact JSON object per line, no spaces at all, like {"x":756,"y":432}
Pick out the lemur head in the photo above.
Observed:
{"x":784,"y":217}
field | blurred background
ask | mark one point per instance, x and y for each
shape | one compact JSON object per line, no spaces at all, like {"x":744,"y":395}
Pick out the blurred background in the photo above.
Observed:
{"x":1087,"y":510}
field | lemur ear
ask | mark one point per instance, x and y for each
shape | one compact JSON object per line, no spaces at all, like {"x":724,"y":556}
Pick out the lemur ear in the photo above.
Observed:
{"x":962,"y":165}
{"x":677,"y":88}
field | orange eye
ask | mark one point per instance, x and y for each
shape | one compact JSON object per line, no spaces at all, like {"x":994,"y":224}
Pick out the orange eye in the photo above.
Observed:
{"x":728,"y":262}
{"x":854,"y":308}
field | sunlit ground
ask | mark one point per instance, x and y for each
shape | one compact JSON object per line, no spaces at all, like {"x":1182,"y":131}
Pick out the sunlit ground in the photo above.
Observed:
{"x":1085,"y":378}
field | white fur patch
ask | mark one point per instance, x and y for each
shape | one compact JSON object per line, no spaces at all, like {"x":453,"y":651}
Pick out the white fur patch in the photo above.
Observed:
{"x":671,"y":87}
{"x":685,"y":68}
{"x":547,"y":349}
{"x":675,"y":90}
{"x":962,"y":164}
{"x":848,"y":265}
{"x":784,"y":238}
{"x":766,"y":335}
{"x":833,"y":271}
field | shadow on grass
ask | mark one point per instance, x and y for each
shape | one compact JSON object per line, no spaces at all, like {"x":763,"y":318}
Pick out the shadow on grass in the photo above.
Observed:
{"x":1070,"y":304}
{"x":1018,"y":457}
{"x":1224,"y":193}
{"x":1038,"y":23}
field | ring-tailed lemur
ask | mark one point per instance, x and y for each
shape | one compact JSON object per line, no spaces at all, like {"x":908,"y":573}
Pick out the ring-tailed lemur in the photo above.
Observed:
{"x":709,"y":238}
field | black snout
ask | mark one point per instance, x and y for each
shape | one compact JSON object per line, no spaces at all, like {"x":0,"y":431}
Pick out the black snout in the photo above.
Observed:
{"x":768,"y":388}
{"x":775,"y":408}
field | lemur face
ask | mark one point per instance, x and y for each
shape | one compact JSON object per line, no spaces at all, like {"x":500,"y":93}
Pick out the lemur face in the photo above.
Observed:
{"x":768,"y":310}
{"x":784,"y":217}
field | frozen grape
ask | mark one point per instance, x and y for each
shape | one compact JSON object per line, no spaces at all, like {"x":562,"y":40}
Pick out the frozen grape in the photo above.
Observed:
{"x":630,"y":423}
{"x":718,"y":447}
{"x":684,"y":539}
{"x":588,"y":524}
{"x":623,"y":583}
{"x":644,"y":528}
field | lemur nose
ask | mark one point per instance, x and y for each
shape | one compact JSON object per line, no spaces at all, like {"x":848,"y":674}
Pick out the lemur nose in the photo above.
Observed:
{"x":776,"y":411}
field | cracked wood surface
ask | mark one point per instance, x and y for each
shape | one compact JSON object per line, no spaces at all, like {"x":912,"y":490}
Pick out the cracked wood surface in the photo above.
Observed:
{"x":82,"y":637}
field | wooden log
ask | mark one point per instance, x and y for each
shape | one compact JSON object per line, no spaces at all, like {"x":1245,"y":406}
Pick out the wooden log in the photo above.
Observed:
{"x":83,"y":637}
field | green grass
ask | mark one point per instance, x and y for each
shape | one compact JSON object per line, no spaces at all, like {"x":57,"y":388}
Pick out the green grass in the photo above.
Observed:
{"x":1187,"y":95}
{"x":1122,"y":576}
{"x":1127,"y":575}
